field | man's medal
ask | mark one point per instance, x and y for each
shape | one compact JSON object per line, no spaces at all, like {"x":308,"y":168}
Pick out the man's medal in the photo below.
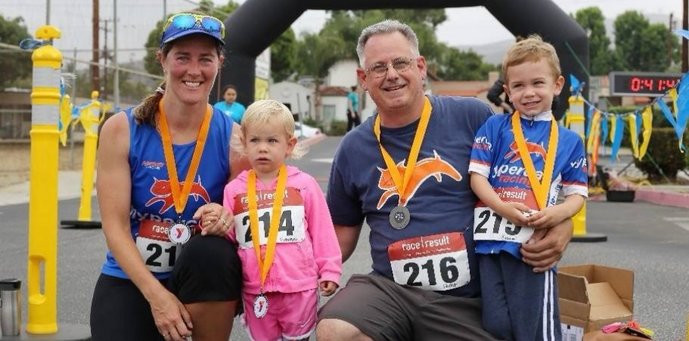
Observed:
{"x":261,"y":302}
{"x":180,"y":233}
{"x":400,"y":216}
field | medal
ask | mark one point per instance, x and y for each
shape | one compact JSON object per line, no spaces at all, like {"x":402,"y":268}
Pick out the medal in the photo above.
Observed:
{"x":399,"y":217}
{"x":260,"y":306}
{"x":179,"y":233}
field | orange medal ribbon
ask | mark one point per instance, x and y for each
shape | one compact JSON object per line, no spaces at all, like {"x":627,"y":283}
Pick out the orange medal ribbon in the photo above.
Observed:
{"x":264,"y":265}
{"x":413,"y":152}
{"x":180,"y":199}
{"x":540,"y":188}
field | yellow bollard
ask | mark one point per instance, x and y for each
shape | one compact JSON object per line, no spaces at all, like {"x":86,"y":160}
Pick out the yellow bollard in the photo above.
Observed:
{"x":42,"y":266}
{"x":90,"y":118}
{"x":576,"y":121}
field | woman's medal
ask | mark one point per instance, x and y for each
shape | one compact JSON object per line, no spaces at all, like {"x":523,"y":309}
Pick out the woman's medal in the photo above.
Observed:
{"x":179,"y":233}
{"x":260,"y":306}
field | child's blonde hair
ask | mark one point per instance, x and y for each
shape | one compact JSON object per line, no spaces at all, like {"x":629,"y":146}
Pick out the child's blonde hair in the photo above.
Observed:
{"x":269,"y":110}
{"x":531,"y":49}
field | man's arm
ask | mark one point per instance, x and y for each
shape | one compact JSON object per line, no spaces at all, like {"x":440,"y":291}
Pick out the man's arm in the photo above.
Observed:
{"x":543,"y":254}
{"x":347,"y":236}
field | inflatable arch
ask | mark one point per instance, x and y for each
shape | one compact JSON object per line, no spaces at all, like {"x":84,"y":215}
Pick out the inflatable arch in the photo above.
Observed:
{"x":254,"y":25}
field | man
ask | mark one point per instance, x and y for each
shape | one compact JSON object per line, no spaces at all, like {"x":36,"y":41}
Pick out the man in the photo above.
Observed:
{"x":405,"y":172}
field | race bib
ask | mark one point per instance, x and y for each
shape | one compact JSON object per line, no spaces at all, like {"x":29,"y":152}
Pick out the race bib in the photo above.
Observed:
{"x":156,"y":249}
{"x":437,"y":262}
{"x":291,"y":228}
{"x":488,"y":225}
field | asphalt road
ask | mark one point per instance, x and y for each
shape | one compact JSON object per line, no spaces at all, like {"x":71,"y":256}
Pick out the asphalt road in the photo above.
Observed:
{"x":651,"y":240}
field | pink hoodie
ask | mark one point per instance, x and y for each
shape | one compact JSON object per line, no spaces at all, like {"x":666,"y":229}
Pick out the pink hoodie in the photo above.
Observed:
{"x":307,"y":250}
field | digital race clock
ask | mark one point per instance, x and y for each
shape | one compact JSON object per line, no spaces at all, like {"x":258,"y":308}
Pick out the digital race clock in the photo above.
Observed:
{"x":642,"y":83}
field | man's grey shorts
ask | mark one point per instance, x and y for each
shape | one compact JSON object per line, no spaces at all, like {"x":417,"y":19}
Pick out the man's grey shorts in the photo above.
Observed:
{"x":385,"y":310}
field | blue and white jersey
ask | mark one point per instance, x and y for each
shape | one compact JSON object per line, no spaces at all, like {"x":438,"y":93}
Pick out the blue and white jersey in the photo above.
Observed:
{"x":495,"y":155}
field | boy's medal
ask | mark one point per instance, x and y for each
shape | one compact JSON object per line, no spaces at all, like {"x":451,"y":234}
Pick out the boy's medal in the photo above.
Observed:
{"x":261,"y":302}
{"x":400,"y":216}
{"x":539,"y":188}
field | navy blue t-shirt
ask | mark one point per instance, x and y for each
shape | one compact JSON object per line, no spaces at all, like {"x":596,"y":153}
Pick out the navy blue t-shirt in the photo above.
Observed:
{"x":441,"y":201}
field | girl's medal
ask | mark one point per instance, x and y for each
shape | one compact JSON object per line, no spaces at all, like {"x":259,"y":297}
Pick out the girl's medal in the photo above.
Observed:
{"x":260,"y":306}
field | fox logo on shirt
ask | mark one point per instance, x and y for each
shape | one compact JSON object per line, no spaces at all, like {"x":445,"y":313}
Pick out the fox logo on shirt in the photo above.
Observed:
{"x":533,"y":148}
{"x":424,"y":169}
{"x":162,"y":192}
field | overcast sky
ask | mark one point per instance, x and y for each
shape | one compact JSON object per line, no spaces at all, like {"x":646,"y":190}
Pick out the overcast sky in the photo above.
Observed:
{"x":465,"y":26}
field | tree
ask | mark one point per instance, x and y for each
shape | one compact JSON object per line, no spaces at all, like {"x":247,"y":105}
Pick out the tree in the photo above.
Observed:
{"x":14,"y":65}
{"x":462,"y":65}
{"x":283,"y":56}
{"x":641,"y":46}
{"x":629,"y":27}
{"x":601,"y":56}
{"x":446,"y":62}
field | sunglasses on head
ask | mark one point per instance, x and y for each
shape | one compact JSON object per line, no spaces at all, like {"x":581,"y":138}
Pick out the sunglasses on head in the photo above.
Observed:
{"x":185,"y":21}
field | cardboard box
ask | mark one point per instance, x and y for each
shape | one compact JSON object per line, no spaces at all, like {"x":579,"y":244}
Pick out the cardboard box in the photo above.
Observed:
{"x":591,"y":296}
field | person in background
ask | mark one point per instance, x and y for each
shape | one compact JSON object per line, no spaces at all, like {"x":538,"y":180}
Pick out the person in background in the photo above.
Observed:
{"x":404,"y":172}
{"x":286,"y":239}
{"x":229,"y":104}
{"x":353,"y":115}
{"x":494,"y":96}
{"x":522,"y":304}
{"x":169,"y":271}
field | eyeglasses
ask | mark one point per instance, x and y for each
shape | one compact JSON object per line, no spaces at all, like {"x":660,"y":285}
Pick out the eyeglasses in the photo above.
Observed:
{"x":400,"y":64}
{"x":186,"y":21}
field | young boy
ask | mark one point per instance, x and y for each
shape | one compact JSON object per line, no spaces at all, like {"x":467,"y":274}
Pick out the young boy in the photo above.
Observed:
{"x":519,"y":164}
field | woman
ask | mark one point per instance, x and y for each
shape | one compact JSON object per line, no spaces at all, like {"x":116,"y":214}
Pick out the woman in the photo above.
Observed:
{"x":229,"y":105}
{"x":161,"y":172}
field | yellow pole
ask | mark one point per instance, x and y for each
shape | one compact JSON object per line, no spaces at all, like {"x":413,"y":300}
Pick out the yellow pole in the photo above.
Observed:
{"x":90,"y":119}
{"x":576,"y":122}
{"x":42,"y":267}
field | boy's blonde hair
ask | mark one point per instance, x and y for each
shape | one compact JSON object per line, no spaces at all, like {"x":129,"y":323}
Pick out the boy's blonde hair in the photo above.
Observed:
{"x":532,"y":49}
{"x":269,"y":110}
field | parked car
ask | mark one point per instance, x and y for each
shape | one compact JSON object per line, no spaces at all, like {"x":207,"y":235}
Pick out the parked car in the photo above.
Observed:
{"x":305,"y":131}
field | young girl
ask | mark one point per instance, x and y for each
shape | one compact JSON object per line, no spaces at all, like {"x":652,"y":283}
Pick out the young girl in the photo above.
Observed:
{"x":286,"y":238}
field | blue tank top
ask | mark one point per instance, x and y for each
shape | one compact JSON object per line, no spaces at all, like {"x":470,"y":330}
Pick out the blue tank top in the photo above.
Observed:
{"x":151,"y":198}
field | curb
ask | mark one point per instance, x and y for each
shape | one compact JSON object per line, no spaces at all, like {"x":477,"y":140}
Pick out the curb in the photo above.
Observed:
{"x":665,"y":198}
{"x":310,"y":141}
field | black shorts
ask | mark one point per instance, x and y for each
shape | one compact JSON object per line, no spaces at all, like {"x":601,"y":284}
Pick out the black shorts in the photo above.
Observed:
{"x":385,"y":310}
{"x":208,"y":269}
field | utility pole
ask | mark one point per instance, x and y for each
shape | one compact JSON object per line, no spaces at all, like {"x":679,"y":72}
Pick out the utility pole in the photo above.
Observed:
{"x":95,"y":58}
{"x":685,"y":26}
{"x":104,"y":90}
{"x":116,"y":90}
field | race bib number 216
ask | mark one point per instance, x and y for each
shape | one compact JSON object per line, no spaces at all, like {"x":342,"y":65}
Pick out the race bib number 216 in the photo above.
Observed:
{"x":437,"y":262}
